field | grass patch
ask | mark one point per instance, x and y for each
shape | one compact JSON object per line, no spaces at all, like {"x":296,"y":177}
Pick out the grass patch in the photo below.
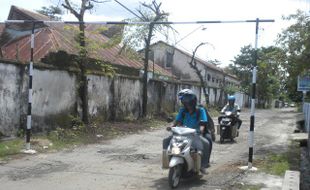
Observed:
{"x":277,"y":164}
{"x":11,"y":147}
{"x":247,"y":186}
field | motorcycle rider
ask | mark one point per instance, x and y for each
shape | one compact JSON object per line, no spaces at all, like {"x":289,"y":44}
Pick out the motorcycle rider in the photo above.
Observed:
{"x":191,"y":117}
{"x":234,"y":108}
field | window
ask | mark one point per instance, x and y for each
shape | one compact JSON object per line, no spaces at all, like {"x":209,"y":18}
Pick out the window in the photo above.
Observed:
{"x":169,"y":59}
{"x":209,"y":77}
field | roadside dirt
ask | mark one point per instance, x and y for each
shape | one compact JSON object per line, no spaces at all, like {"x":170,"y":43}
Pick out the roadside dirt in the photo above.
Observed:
{"x":134,"y":161}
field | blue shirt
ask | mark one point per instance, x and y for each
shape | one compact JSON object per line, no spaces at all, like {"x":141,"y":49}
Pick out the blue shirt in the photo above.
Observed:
{"x":190,"y":120}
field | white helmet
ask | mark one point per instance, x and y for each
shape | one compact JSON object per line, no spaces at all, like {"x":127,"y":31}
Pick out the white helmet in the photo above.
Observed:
{"x":185,"y":91}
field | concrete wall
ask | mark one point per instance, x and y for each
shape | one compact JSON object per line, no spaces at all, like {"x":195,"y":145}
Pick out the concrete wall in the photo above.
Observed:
{"x":54,"y":94}
{"x":100,"y":96}
{"x":10,"y":98}
{"x":55,"y":97}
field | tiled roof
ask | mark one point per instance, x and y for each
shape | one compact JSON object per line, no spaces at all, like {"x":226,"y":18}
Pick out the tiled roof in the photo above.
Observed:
{"x":29,"y":15}
{"x":56,"y":37}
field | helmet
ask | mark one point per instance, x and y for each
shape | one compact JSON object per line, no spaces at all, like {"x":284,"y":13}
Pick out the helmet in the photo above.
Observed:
{"x":231,"y":98}
{"x":185,"y":91}
{"x":188,"y":97}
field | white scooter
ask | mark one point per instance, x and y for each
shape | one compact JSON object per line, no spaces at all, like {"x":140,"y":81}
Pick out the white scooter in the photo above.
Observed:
{"x":181,"y":158}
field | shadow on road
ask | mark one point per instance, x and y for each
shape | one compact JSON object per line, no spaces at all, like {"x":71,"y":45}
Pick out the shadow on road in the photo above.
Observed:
{"x":162,"y":183}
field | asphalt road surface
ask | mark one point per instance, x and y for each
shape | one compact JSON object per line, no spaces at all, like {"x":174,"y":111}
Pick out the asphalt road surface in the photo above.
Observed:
{"x":134,"y":161}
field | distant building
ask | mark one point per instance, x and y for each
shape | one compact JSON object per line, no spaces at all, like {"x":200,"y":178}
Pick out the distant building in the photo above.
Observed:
{"x":176,"y":61}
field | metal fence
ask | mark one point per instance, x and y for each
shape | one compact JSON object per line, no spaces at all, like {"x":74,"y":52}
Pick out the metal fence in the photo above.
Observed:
{"x":306,"y":111}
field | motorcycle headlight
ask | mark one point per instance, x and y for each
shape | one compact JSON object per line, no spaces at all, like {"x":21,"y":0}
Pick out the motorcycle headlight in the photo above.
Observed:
{"x":179,"y":141}
{"x":175,"y":150}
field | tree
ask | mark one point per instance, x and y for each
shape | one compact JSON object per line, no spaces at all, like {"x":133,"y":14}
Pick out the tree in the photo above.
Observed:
{"x":270,"y":75}
{"x":193,"y":65}
{"x":242,"y":66}
{"x":295,"y":42}
{"x":79,"y":12}
{"x":52,"y":12}
{"x":147,"y":13}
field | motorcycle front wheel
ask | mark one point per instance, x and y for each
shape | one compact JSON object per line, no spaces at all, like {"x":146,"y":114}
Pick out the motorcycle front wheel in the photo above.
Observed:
{"x":222,"y":140}
{"x":175,"y":176}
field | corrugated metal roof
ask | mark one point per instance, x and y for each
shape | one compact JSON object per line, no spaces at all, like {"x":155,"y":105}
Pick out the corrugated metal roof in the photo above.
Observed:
{"x":56,"y":37}
{"x":31,"y":15}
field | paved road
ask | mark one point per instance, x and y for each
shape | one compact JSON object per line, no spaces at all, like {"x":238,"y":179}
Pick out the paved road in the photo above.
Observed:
{"x":133,"y":162}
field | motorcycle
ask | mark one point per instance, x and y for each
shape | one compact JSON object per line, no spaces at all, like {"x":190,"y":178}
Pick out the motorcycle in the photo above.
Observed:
{"x":181,"y":158}
{"x":228,"y":128}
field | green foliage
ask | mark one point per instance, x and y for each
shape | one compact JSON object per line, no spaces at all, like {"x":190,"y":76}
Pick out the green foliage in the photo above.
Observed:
{"x":10,"y":147}
{"x":52,"y":12}
{"x":108,"y":70}
{"x":70,"y":133}
{"x":295,"y":41}
{"x":231,"y":90}
{"x":242,"y":67}
{"x":135,"y":35}
{"x":270,"y":76}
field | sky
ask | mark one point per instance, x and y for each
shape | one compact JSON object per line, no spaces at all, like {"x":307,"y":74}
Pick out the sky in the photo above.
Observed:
{"x":224,"y":41}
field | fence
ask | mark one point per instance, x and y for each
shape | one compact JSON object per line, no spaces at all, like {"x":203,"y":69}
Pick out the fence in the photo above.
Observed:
{"x":306,"y":111}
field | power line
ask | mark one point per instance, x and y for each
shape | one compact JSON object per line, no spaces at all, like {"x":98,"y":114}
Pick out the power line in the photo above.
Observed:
{"x":128,"y":9}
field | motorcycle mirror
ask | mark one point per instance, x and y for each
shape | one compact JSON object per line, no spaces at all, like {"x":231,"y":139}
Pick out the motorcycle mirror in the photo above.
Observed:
{"x":168,"y":128}
{"x":169,"y":119}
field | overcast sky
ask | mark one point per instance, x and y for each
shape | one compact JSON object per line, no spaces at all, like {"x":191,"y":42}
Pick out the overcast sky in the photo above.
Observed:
{"x":226,"y":39}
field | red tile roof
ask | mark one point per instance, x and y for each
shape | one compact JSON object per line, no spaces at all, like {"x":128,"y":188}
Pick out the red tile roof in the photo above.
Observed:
{"x":56,"y":37}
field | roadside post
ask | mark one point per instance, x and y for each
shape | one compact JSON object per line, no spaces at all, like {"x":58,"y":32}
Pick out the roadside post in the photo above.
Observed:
{"x":253,"y":96}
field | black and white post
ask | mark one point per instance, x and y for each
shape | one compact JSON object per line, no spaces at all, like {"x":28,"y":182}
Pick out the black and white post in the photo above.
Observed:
{"x":253,"y":95}
{"x":28,"y":127}
{"x":252,"y":119}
